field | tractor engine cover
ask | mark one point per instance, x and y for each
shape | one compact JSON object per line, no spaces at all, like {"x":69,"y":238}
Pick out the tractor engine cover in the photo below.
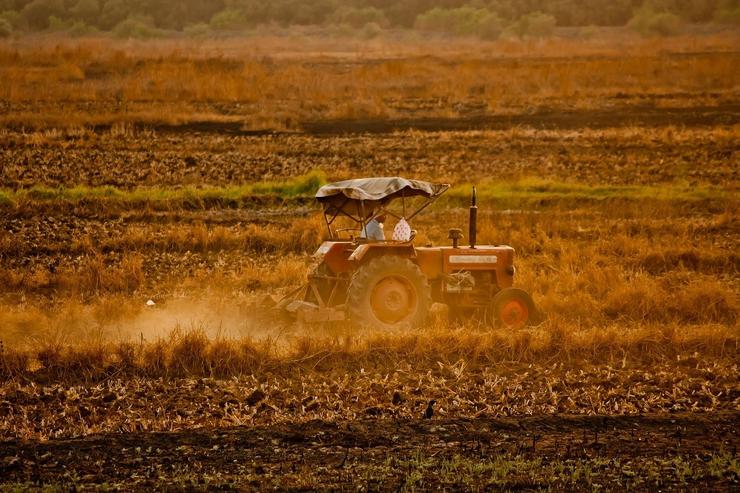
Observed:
{"x":335,"y":254}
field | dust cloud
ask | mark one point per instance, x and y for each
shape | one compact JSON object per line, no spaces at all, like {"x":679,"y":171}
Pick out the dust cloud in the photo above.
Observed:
{"x":75,"y":323}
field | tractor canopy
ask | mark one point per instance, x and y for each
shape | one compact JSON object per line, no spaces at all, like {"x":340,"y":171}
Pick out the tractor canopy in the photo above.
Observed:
{"x":364,"y":198}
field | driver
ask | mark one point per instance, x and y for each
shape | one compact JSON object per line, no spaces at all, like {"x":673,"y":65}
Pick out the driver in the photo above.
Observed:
{"x":374,"y":229}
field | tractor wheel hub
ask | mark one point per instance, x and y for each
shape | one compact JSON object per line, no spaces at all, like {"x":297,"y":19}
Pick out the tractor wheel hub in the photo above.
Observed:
{"x":514,"y":313}
{"x":393,"y":299}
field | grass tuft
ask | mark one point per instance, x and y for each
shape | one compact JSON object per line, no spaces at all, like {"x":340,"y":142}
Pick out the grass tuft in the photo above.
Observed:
{"x":6,"y":198}
{"x":306,"y":185}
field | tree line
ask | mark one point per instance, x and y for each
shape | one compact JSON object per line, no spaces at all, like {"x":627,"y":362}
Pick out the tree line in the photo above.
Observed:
{"x":487,"y":19}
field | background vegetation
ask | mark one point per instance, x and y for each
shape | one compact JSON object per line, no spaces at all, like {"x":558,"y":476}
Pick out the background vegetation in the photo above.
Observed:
{"x":488,"y":19}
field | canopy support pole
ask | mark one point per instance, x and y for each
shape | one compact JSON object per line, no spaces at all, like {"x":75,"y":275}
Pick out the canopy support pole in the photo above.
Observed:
{"x":429,"y":202}
{"x":363,"y":231}
{"x":328,"y":225}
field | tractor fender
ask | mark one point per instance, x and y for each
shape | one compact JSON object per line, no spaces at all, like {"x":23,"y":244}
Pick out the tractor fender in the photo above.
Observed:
{"x":368,"y":251}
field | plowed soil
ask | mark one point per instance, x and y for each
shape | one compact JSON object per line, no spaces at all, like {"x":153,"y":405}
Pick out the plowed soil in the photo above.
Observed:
{"x":457,"y":454}
{"x":627,"y":152}
{"x":650,"y":116}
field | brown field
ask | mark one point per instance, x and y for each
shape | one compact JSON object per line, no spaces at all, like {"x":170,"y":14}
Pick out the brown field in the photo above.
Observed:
{"x":183,"y":174}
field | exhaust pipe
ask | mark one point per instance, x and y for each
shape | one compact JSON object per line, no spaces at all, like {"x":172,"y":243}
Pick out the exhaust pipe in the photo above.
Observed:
{"x":473,"y":221}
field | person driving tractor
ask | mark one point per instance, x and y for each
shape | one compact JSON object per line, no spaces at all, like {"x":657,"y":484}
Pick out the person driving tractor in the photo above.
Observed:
{"x":374,"y":229}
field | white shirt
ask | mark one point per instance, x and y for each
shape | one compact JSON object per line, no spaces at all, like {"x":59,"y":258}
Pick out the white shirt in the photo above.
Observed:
{"x":373,"y":231}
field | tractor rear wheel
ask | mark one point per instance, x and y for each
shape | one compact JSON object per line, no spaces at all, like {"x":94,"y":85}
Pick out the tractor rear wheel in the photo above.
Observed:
{"x":389,"y":293}
{"x":513,"y":308}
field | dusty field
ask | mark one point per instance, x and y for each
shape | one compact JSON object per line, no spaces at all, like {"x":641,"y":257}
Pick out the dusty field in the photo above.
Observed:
{"x":621,"y":200}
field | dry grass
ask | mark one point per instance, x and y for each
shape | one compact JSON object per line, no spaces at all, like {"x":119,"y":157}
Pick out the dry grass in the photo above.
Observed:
{"x":195,"y":354}
{"x":639,"y":319}
{"x":179,"y":82}
{"x":615,"y":280}
{"x":593,"y":257}
{"x":90,"y":276}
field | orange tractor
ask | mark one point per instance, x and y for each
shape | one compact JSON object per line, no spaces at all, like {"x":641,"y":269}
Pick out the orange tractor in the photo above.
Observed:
{"x":392,"y":283}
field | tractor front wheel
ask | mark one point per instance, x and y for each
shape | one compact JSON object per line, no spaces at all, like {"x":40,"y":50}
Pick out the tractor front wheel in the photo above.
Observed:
{"x":513,"y":308}
{"x":389,"y":293}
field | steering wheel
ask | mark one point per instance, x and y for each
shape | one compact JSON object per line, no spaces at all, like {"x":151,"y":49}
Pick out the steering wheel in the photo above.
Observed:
{"x":344,"y":230}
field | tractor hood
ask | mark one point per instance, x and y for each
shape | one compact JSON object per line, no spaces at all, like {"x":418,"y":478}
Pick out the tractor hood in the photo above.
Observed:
{"x":365,"y":195}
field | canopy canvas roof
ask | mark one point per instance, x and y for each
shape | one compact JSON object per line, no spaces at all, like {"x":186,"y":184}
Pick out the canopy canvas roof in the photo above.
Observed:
{"x":364,"y":196}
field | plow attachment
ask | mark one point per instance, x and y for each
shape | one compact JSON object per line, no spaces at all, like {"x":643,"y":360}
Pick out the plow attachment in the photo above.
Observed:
{"x":293,"y":307}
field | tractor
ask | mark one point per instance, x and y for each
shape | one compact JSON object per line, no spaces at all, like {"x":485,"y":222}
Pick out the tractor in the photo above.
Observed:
{"x":391,"y":284}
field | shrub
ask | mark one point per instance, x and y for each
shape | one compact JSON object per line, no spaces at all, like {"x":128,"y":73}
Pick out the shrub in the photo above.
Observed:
{"x":228,"y":20}
{"x":371,"y":30}
{"x":6,"y":29}
{"x":38,"y":12}
{"x":534,"y":25}
{"x":57,"y":24}
{"x":80,"y":28}
{"x":113,"y":13}
{"x":197,"y":30}
{"x":86,"y":10}
{"x":650,"y":23}
{"x":728,"y":15}
{"x":135,"y":28}
{"x":695,"y":10}
{"x":489,"y":26}
{"x":457,"y":21}
{"x":13,"y":18}
{"x":359,"y":17}
{"x":461,"y":21}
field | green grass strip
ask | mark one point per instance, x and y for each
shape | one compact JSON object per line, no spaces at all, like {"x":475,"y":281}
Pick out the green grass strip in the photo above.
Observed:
{"x":305,"y":186}
{"x":538,"y":189}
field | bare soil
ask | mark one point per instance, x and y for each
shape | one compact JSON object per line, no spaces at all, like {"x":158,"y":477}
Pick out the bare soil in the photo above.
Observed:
{"x":616,"y":146}
{"x":543,"y":118}
{"x":644,"y":113}
{"x":390,"y":454}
